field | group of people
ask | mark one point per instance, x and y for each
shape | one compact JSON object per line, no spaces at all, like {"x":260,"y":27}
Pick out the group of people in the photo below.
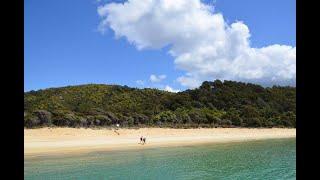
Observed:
{"x":142,"y":140}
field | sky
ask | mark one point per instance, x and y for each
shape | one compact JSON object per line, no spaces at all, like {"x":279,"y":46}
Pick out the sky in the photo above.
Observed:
{"x":166,"y":44}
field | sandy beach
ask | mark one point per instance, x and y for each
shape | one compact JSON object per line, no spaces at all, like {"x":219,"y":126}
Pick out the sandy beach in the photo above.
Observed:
{"x":47,"y":141}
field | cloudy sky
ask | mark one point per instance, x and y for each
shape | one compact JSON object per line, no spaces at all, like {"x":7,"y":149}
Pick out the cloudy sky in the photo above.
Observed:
{"x":165,"y":44}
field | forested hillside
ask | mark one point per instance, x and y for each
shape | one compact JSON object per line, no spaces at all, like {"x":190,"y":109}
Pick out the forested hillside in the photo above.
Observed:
{"x":213,"y":104}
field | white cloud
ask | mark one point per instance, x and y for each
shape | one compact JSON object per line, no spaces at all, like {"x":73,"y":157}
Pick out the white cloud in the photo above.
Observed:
{"x":170,"y":89}
{"x":140,"y":82}
{"x":156,"y":79}
{"x":201,"y":42}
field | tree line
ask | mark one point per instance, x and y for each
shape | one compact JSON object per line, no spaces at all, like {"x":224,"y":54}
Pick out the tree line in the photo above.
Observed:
{"x":213,"y":104}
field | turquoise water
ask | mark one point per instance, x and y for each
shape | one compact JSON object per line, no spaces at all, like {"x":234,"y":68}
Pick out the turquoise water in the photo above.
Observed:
{"x":268,"y":159}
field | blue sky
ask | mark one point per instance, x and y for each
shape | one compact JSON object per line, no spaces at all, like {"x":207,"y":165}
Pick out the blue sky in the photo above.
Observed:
{"x":62,"y":44}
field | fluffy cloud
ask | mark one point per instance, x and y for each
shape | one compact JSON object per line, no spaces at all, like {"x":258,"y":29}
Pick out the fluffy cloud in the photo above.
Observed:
{"x":156,"y":79}
{"x":202,"y":43}
{"x":170,"y":89}
{"x":140,"y":82}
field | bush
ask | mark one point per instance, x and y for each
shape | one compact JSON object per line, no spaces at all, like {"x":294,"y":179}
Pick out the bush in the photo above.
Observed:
{"x":226,"y":123}
{"x":182,"y":116}
{"x":83,"y":122}
{"x":68,"y":119}
{"x":197,"y":116}
{"x":130,"y":121}
{"x":112,"y":117}
{"x":44,"y":116}
{"x":140,"y":119}
{"x":165,"y":117}
{"x":269,"y":123}
{"x":90,"y":121}
{"x":31,"y":121}
{"x":288,"y":119}
{"x":253,"y":122}
{"x":103,"y":120}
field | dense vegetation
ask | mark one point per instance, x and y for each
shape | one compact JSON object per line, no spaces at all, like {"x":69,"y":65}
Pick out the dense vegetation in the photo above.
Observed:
{"x":213,"y":104}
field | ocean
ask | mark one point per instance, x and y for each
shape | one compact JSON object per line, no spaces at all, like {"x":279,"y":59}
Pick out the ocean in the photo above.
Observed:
{"x":265,"y":159}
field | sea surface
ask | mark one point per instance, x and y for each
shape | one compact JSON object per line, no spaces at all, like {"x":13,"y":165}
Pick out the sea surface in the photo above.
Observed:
{"x":267,"y":159}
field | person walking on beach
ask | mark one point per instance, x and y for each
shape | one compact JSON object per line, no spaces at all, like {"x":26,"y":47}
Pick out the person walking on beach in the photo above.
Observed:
{"x":144,"y":140}
{"x":141,"y":138}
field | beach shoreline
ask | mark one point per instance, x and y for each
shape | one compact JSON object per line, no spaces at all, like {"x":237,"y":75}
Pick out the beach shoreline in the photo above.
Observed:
{"x":71,"y":141}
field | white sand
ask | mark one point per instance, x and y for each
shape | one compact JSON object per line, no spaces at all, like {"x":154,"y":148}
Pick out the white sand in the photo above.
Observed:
{"x":47,"y":141}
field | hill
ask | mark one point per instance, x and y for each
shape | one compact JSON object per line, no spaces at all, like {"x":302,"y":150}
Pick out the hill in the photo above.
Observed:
{"x":213,"y":104}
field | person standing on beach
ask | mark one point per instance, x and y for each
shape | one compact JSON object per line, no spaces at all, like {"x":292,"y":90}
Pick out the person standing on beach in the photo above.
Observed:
{"x":141,"y":138}
{"x":117,"y":126}
{"x":144,"y":140}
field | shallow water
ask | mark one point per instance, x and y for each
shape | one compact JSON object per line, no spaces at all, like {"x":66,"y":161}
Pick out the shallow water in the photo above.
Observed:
{"x":267,"y":159}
